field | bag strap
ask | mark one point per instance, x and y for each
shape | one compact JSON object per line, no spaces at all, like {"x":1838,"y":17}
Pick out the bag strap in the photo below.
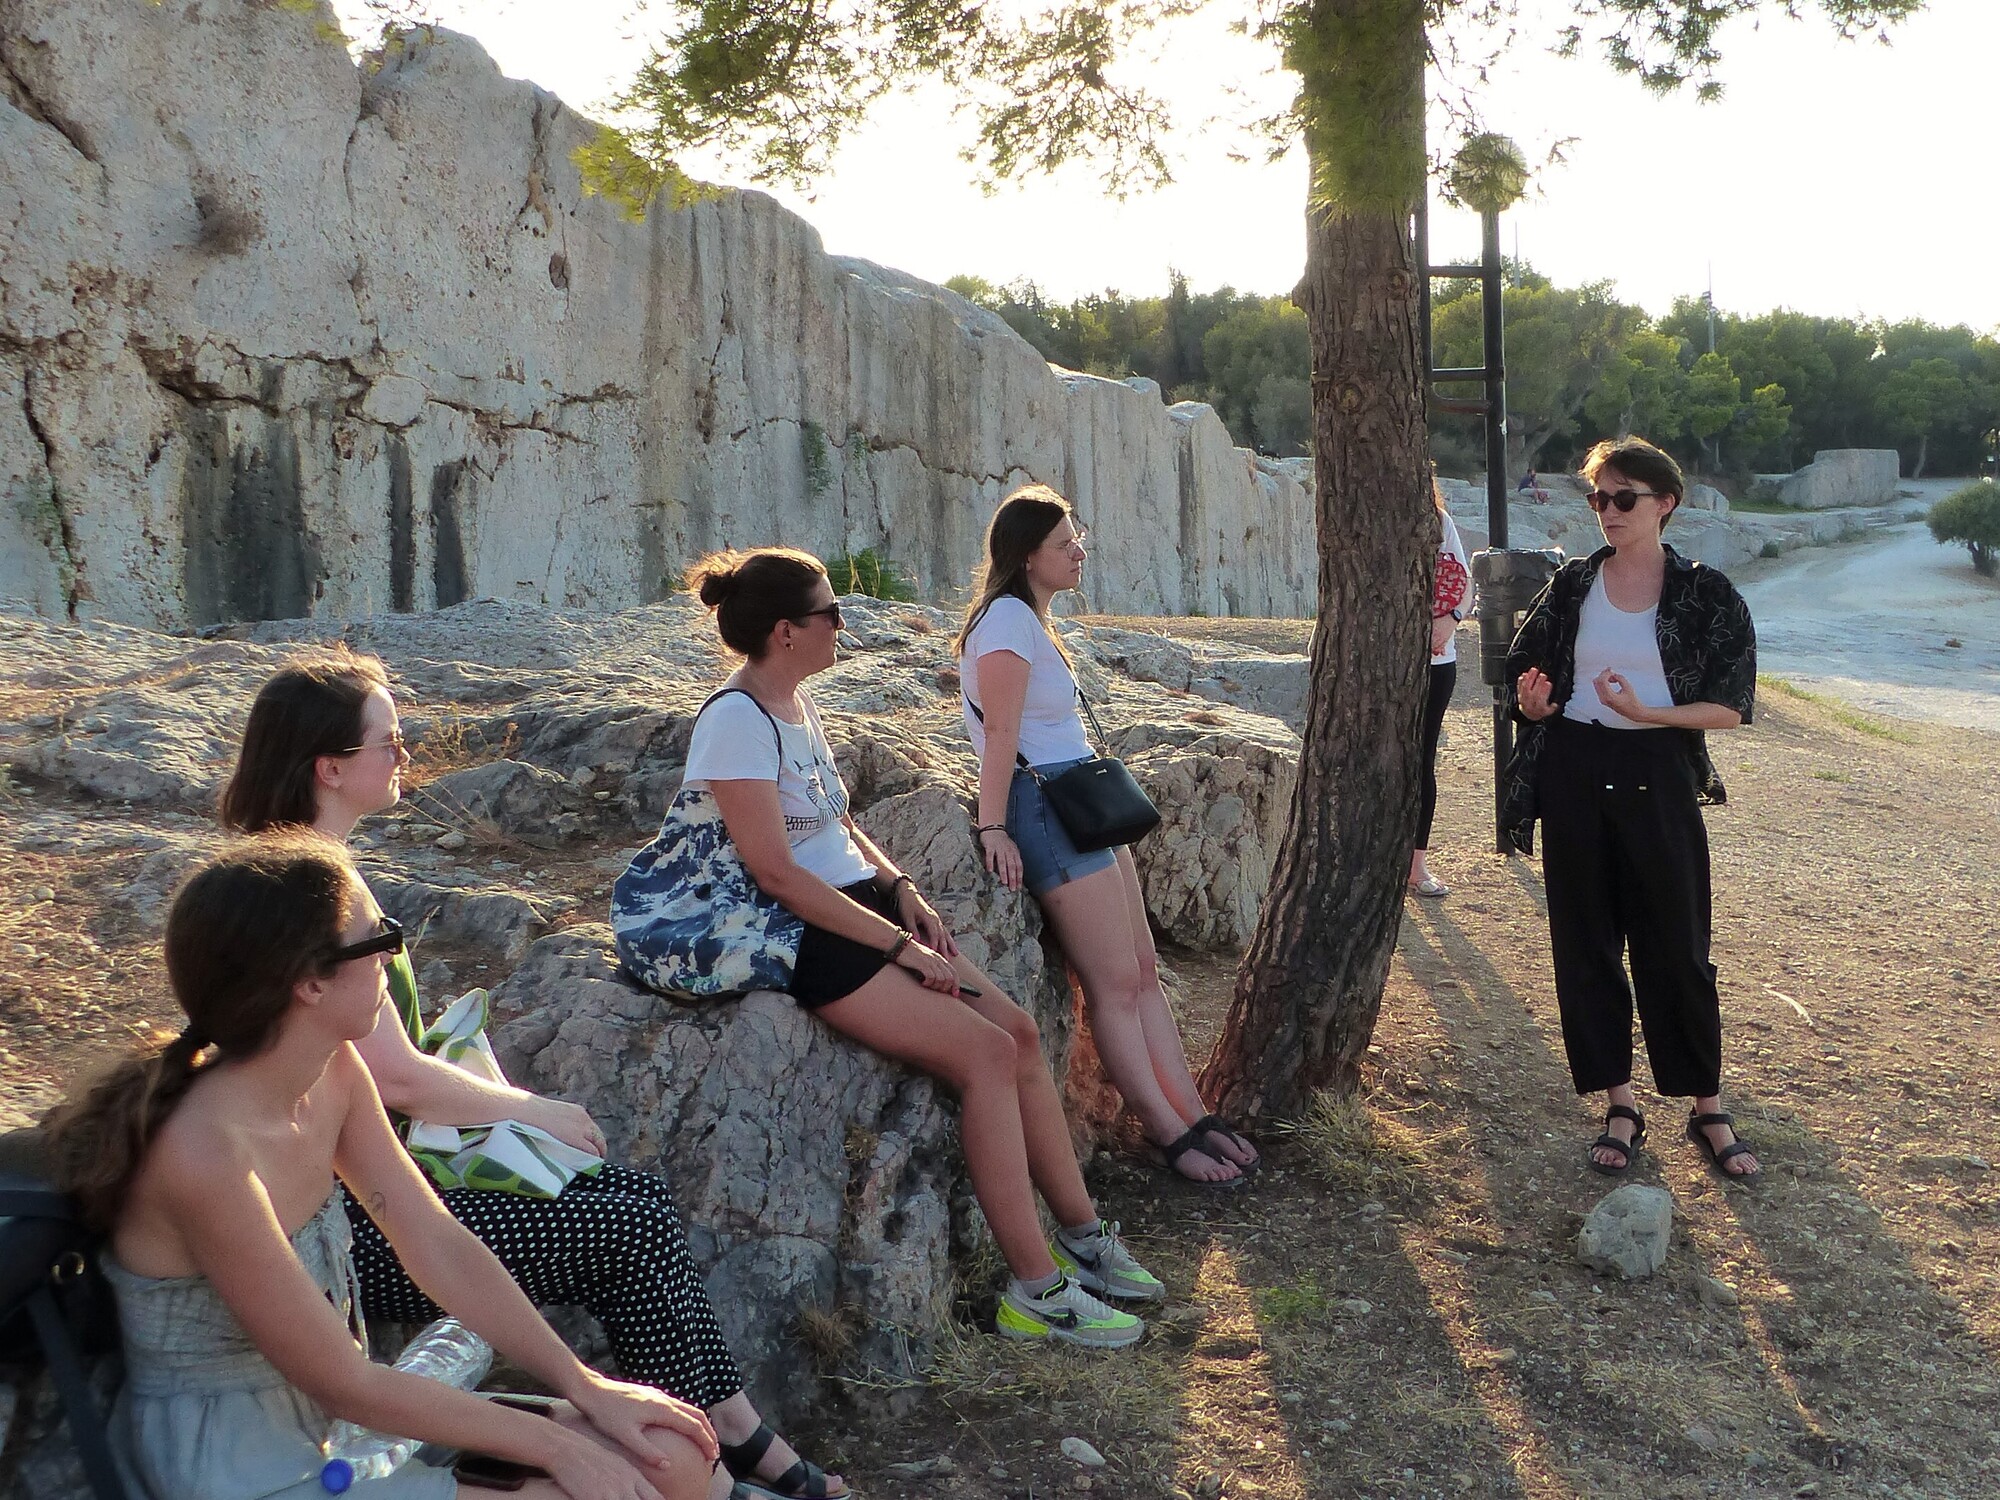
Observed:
{"x":1102,"y":739}
{"x":982,"y":719}
{"x":776,"y":733}
{"x":36,"y":1201}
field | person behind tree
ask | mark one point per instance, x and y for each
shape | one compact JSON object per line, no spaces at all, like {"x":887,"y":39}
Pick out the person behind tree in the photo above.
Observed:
{"x":876,"y":962}
{"x":1451,"y":598}
{"x":1622,"y":662}
{"x":1020,"y":708}
{"x":212,"y":1161}
{"x":323,"y":747}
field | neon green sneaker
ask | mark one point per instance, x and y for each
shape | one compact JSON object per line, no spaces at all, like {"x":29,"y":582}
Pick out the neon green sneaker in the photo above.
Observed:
{"x":1103,"y":1265}
{"x":1067,"y":1313}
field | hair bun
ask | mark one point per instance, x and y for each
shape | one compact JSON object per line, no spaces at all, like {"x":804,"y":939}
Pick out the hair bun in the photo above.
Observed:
{"x":717,"y":583}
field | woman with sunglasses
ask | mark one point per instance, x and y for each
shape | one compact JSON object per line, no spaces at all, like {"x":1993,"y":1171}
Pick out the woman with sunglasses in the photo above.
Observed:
{"x":876,"y":962}
{"x":1623,"y":662}
{"x":212,"y":1161}
{"x":323,"y":748}
{"x":1020,"y":707}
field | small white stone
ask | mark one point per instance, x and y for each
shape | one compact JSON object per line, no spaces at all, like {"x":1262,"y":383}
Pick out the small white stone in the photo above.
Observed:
{"x":1078,"y":1451}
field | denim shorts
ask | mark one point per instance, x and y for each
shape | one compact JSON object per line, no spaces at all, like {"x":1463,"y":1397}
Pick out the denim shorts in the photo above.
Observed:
{"x":1048,"y":858}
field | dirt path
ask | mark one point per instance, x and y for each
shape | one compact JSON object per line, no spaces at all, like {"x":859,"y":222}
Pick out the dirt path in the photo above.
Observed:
{"x":1896,"y":624}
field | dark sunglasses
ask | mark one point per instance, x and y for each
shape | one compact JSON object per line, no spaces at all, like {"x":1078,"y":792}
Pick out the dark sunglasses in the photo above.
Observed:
{"x":388,"y":940}
{"x":832,"y":612}
{"x":1623,"y":499}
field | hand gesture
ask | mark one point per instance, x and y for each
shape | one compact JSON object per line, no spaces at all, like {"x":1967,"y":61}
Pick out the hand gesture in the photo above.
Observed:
{"x":1003,"y":858}
{"x":921,"y":918}
{"x":932,"y":968}
{"x":1616,"y":694}
{"x":1532,"y":694}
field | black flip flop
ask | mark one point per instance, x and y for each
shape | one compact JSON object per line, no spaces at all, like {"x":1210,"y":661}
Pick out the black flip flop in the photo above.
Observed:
{"x":1216,"y":1125}
{"x":1720,"y":1159}
{"x":1192,"y":1140}
{"x":1610,"y":1142}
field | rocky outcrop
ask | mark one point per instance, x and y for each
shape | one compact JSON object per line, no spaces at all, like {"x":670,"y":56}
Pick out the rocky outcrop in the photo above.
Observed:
{"x":822,"y":1187}
{"x":1843,"y":476}
{"x":282,"y":336}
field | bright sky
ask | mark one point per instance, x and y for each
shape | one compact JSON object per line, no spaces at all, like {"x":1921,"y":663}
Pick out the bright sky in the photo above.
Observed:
{"x":1833,"y":177}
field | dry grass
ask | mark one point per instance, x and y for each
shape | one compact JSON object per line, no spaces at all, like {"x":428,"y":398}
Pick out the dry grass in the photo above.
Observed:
{"x":1365,"y":1150}
{"x":1838,"y":711}
{"x":456,"y":742}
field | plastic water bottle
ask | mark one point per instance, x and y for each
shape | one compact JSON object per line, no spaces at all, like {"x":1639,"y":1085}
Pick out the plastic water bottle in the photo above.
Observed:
{"x":445,"y":1351}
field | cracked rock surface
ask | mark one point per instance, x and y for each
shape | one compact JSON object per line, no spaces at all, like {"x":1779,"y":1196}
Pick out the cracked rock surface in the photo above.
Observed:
{"x":810,"y":1174}
{"x":285,"y":336}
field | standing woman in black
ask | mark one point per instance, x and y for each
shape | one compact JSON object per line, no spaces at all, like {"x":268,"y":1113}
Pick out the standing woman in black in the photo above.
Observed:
{"x":1628,"y":656}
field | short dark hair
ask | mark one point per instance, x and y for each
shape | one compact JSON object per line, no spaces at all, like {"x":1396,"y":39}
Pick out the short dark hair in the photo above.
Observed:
{"x":752,"y":591}
{"x":1638,"y":459}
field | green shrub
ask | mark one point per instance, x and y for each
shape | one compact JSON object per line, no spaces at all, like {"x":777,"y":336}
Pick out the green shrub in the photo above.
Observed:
{"x":869,"y":572}
{"x":1971,"y":516}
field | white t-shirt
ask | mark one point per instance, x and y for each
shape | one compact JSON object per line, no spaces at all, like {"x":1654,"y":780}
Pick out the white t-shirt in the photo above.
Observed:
{"x":1051,"y":726}
{"x":1454,"y":584}
{"x":1607,"y":636}
{"x":733,"y":742}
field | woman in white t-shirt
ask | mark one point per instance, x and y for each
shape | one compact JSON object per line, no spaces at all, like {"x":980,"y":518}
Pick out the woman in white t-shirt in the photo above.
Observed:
{"x":1021,"y":711}
{"x":877,"y":963}
{"x":1451,"y":600}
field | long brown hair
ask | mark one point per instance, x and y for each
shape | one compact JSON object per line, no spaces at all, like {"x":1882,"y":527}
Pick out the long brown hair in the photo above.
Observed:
{"x":244,"y":929}
{"x":1021,"y":524}
{"x":752,"y":591}
{"x":312,"y":707}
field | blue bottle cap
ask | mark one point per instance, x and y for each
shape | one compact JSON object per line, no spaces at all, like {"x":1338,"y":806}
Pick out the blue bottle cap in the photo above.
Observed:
{"x":336,"y":1476}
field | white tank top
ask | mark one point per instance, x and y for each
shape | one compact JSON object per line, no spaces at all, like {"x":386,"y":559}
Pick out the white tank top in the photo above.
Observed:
{"x":1628,"y":644}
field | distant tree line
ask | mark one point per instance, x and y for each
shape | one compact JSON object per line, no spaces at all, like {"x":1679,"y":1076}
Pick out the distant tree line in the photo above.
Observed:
{"x":1581,"y":365}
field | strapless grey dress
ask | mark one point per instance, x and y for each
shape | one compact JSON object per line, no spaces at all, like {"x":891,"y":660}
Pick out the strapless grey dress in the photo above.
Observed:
{"x":204,"y":1416}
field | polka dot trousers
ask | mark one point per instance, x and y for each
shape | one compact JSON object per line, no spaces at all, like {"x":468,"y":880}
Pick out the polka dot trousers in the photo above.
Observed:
{"x":612,"y":1243}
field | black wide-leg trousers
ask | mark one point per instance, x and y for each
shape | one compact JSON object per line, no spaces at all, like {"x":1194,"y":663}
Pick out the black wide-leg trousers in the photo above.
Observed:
{"x":1625,"y":865}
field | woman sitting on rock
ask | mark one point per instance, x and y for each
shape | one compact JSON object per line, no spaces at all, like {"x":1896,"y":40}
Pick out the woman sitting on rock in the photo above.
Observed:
{"x":323,"y":748}
{"x":1020,"y":703}
{"x":876,"y":962}
{"x":213,"y":1161}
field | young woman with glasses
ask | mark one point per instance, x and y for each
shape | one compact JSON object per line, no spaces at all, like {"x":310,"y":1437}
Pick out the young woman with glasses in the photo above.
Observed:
{"x":1623,"y":662}
{"x":323,"y":748}
{"x":1020,"y":707}
{"x":877,"y":963}
{"x":213,"y":1162}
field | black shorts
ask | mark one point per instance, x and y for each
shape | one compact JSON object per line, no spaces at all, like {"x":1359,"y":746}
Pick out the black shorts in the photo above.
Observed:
{"x":832,"y":967}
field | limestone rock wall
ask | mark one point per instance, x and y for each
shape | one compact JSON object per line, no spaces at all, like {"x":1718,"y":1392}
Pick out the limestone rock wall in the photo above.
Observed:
{"x":282,"y":336}
{"x":1843,"y":476}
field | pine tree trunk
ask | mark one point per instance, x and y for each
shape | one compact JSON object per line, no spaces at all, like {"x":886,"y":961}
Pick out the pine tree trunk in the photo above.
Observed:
{"x":1311,"y":983}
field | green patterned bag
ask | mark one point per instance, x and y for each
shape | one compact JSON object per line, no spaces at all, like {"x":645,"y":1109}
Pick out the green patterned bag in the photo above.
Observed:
{"x":508,"y":1156}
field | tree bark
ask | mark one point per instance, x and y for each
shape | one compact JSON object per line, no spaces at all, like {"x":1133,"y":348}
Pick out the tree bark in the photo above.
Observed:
{"x":1311,"y":983}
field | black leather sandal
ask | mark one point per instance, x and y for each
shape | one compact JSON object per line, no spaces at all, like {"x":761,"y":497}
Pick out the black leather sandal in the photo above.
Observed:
{"x":1610,"y":1142}
{"x":1720,"y":1159}
{"x":804,"y":1480}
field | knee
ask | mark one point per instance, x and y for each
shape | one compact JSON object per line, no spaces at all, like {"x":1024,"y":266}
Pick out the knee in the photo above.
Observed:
{"x":1117,"y":994}
{"x":989,"y":1053}
{"x":685,"y":1475}
{"x":1019,"y":1025}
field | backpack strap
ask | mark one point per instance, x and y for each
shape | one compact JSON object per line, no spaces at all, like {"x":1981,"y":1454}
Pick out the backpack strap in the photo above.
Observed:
{"x":777,"y":734}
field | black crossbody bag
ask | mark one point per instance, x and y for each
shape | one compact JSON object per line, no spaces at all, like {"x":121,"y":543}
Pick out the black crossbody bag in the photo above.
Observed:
{"x":1099,"y":803}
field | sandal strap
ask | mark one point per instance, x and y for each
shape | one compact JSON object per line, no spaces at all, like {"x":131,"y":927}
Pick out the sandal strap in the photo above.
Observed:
{"x":1702,"y":1121}
{"x":1627,"y":1112}
{"x":804,"y":1480}
{"x":741,"y":1459}
{"x":1736,"y":1148}
{"x":1623,"y":1148}
{"x":1216,"y":1125}
{"x":1175,"y":1149}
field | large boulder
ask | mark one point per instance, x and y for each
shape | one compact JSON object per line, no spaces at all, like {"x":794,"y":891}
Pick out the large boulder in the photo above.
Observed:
{"x":1843,"y":476}
{"x":816,"y":1178}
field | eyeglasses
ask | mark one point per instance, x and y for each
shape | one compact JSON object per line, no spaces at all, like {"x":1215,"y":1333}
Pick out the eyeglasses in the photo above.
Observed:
{"x":1077,"y":539}
{"x":394,"y":742}
{"x":388,"y":940}
{"x":1623,"y":499}
{"x":831,"y":611}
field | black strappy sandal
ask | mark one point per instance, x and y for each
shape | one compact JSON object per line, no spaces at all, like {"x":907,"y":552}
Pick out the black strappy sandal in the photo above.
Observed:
{"x":1720,"y":1159}
{"x":1610,"y":1142}
{"x":1195,"y":1139}
{"x":804,"y":1480}
{"x":1216,"y":1125}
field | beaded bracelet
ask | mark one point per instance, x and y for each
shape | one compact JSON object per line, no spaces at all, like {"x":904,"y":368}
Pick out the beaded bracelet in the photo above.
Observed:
{"x":895,"y":949}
